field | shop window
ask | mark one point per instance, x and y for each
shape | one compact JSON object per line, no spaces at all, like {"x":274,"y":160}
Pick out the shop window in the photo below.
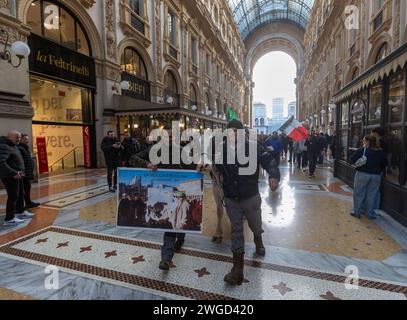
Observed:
{"x":132,"y":63}
{"x":345,"y":115}
{"x":375,"y":107}
{"x":394,"y":139}
{"x":397,"y":94}
{"x":344,"y":140}
{"x":357,"y":116}
{"x":57,"y":102}
{"x":53,"y":21}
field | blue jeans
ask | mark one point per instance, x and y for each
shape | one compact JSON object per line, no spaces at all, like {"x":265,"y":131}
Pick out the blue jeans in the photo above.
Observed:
{"x":365,"y":192}
{"x":167,"y":250}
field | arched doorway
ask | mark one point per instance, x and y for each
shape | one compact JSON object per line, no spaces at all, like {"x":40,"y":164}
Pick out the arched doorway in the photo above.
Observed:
{"x":62,"y":84}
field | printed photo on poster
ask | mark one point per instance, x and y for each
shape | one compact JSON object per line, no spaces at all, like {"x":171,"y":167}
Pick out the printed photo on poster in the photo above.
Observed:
{"x":165,"y":200}
{"x":74,"y":115}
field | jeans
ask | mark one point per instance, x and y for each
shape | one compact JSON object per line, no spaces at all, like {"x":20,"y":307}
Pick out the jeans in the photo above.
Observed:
{"x":15,"y":197}
{"x":312,"y":161}
{"x":365,"y":191}
{"x":236,"y":210}
{"x":167,"y":250}
{"x":112,"y":172}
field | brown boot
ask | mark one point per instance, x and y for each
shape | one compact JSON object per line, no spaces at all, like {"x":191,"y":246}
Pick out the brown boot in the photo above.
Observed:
{"x":235,"y":277}
{"x":260,"y":249}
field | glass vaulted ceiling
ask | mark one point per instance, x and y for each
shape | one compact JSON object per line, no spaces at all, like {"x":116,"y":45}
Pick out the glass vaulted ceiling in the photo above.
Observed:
{"x":252,"y":14}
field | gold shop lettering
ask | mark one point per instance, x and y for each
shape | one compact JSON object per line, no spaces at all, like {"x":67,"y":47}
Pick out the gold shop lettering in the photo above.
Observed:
{"x":62,"y":64}
{"x":137,"y":88}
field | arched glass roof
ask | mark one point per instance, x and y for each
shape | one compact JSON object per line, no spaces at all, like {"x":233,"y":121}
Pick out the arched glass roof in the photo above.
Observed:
{"x":252,"y":14}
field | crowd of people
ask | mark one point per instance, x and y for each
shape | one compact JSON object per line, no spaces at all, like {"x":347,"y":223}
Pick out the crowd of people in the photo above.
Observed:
{"x":306,"y":154}
{"x":238,"y":194}
{"x":16,"y":174}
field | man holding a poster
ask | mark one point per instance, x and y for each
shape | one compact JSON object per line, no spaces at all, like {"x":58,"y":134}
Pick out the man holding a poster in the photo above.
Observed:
{"x":242,"y":197}
{"x":173,"y":241}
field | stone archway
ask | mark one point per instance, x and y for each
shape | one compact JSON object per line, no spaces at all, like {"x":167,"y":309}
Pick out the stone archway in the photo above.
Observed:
{"x":279,"y":36}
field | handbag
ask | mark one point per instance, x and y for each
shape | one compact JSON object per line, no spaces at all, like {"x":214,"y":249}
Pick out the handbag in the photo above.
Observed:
{"x":362,"y":160}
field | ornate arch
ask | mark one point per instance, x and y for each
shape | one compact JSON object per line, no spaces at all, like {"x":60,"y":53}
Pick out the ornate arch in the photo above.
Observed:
{"x":352,"y":70}
{"x":198,"y":92}
{"x":80,"y":13}
{"x":133,"y":43}
{"x":383,"y":39}
{"x":175,"y":72}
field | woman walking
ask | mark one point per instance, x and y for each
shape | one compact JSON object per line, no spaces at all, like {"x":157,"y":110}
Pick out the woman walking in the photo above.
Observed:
{"x":371,"y":162}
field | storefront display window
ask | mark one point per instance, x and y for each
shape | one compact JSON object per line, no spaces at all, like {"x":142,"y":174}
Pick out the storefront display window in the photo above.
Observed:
{"x":375,"y":107}
{"x":62,"y":142}
{"x":57,"y":102}
{"x":394,"y":141}
{"x":397,"y":97}
{"x":357,"y":125}
{"x":344,"y":141}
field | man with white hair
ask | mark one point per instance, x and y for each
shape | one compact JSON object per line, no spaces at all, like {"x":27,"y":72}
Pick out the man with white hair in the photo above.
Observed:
{"x":11,"y":174}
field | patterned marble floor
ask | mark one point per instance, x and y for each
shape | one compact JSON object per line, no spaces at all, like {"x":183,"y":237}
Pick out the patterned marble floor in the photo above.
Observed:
{"x":312,"y":243}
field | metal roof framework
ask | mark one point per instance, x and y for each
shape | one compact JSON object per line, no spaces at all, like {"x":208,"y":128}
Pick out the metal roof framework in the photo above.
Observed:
{"x":253,"y":14}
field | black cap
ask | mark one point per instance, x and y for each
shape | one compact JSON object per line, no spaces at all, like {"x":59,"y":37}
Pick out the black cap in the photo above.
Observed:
{"x":235,"y":124}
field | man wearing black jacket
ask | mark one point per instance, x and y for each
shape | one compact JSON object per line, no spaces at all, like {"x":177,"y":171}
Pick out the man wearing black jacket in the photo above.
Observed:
{"x":11,"y":174}
{"x":172,"y":242}
{"x":313,"y":151}
{"x":242,"y":199}
{"x":111,"y":147}
{"x":29,"y":171}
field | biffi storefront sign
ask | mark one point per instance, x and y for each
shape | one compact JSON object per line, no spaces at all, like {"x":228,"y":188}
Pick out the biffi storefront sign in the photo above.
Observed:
{"x":138,"y":89}
{"x":51,"y":59}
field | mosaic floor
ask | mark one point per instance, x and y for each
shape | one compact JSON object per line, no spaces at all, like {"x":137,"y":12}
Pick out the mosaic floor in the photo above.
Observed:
{"x":312,"y":243}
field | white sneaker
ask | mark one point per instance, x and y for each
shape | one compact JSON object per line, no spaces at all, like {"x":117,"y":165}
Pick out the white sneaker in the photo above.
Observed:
{"x":25,"y":215}
{"x":13,"y":222}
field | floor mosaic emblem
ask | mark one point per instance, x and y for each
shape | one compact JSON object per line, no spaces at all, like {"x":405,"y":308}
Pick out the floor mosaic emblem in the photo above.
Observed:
{"x":198,"y":275}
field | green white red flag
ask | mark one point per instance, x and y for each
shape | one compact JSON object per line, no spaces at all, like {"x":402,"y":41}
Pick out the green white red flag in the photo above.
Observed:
{"x":294,"y":130}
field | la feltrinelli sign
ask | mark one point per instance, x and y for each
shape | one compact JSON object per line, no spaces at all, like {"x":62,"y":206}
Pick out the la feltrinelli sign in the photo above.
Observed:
{"x":51,"y":59}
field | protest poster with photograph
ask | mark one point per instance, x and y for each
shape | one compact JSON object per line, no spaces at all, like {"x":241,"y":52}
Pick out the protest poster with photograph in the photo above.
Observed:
{"x":164,"y":200}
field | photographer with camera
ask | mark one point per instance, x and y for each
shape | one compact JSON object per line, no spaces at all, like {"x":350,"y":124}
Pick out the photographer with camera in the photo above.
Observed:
{"x":111,"y":148}
{"x":12,"y":174}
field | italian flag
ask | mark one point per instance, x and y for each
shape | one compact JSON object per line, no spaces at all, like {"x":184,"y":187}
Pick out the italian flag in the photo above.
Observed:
{"x":294,"y":130}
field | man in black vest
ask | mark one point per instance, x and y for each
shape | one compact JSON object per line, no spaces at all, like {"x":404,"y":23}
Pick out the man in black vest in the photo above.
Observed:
{"x":242,"y":197}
